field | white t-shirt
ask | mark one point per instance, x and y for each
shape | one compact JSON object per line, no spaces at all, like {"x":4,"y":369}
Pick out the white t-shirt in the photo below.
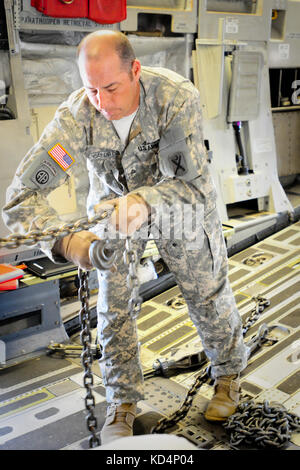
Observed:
{"x":123,"y":125}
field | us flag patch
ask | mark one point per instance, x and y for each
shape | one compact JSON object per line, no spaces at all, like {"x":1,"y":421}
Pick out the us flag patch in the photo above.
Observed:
{"x":61,"y":156}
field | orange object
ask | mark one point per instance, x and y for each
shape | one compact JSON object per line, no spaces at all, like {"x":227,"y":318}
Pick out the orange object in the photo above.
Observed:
{"x":9,"y":285}
{"x":9,"y":272}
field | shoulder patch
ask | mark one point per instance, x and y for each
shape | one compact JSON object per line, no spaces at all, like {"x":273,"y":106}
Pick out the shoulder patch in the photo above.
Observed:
{"x":61,"y":156}
{"x":178,"y":163}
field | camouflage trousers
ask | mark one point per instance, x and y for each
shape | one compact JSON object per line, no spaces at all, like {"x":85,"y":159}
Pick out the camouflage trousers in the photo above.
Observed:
{"x":201,"y":275}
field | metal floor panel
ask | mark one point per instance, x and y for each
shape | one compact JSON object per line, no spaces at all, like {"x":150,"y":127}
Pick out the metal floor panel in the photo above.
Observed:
{"x":41,"y":400}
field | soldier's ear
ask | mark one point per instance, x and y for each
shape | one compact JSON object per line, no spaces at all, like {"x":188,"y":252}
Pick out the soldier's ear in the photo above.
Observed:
{"x":136,"y":69}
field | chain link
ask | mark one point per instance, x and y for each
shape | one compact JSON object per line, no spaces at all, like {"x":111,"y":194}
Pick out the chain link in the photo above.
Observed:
{"x":261,"y":425}
{"x":260,"y":304}
{"x":135,"y":301}
{"x":34,"y":236}
{"x":170,"y":421}
{"x":87,"y":356}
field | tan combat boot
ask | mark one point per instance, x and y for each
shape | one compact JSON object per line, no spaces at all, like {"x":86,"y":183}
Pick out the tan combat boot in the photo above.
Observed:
{"x":119,"y":422}
{"x":225,"y":400}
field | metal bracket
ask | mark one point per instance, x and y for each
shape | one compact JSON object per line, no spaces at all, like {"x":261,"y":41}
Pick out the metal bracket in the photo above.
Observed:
{"x":13,"y":39}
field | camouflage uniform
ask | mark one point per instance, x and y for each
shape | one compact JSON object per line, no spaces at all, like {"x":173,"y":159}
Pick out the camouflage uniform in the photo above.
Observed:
{"x":165,"y":162}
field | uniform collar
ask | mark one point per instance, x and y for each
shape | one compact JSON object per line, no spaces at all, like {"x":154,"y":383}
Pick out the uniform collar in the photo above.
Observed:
{"x":109,"y":136}
{"x":144,"y":122}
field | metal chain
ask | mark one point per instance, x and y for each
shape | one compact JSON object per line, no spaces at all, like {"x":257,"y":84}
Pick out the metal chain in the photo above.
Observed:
{"x":261,"y":425}
{"x":260,"y":304}
{"x":34,"y":236}
{"x":135,"y":301}
{"x":205,"y":376}
{"x":178,"y":415}
{"x":87,"y":356}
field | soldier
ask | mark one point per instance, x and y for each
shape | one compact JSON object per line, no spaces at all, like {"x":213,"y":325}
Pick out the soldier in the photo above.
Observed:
{"x":132,"y":137}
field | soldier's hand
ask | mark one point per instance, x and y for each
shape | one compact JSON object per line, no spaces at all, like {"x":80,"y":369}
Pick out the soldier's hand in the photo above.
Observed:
{"x":106,"y":206}
{"x":130,"y":213}
{"x":75,"y":248}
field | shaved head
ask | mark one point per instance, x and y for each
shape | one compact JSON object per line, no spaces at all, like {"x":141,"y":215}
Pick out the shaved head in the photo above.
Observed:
{"x":98,"y":44}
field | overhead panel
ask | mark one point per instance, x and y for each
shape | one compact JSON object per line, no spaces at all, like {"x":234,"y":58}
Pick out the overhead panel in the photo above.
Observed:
{"x":242,"y":20}
{"x":182,"y":14}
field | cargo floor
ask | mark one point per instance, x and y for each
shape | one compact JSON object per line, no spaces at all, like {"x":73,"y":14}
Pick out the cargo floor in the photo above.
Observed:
{"x":42,"y":399}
